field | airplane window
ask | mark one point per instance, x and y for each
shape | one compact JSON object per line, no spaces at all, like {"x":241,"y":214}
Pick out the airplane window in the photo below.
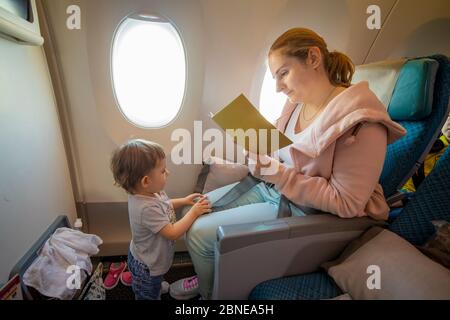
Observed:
{"x":270,"y":102}
{"x":148,"y":70}
{"x":17,"y":7}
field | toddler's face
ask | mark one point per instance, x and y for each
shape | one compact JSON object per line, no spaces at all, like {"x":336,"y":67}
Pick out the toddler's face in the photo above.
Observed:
{"x":158,"y":177}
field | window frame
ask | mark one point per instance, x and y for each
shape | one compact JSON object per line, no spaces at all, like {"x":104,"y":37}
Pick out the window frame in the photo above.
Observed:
{"x":145,"y":16}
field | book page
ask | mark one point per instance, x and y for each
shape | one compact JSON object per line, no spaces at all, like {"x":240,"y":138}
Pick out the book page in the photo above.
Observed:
{"x":249,"y":129}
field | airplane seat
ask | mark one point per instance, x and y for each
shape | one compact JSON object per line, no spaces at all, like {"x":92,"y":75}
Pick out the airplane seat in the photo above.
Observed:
{"x":420,"y":102}
{"x":430,"y":202}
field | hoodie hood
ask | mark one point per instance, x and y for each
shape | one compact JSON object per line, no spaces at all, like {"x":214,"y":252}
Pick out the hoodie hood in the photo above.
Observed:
{"x":355,"y":105}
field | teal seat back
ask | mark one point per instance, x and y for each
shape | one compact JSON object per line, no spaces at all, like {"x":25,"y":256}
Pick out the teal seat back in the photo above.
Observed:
{"x":420,"y":104}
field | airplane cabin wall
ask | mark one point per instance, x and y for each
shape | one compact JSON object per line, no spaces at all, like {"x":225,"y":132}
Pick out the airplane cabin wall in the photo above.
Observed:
{"x":35,"y":182}
{"x":415,"y":28}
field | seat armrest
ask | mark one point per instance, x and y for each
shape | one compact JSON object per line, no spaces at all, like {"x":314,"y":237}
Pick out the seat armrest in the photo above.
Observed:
{"x":232,"y":237}
{"x":251,"y":253}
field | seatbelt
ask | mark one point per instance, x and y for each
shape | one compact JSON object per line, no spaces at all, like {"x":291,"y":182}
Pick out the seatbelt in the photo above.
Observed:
{"x":247,"y":183}
{"x":284,"y":208}
{"x":419,"y":176}
{"x":238,"y":190}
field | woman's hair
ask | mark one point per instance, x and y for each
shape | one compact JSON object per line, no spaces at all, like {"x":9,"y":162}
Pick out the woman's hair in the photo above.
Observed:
{"x":296,"y":42}
{"x":133,"y":160}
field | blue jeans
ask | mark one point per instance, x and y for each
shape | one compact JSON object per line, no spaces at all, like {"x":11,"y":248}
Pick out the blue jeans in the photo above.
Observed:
{"x":258,"y":204}
{"x":145,"y":286}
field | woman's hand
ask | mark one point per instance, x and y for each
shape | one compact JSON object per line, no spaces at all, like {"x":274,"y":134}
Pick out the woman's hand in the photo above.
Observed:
{"x":260,"y":164}
{"x":254,"y":165}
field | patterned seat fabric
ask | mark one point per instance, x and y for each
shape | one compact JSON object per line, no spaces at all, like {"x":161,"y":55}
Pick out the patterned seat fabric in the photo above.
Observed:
{"x":430,"y":202}
{"x":312,"y":286}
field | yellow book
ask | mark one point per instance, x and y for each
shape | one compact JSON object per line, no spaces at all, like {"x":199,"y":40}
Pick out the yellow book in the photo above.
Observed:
{"x":249,"y":128}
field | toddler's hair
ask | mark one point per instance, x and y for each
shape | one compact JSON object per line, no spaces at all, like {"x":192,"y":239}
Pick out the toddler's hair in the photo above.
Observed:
{"x":133,"y":160}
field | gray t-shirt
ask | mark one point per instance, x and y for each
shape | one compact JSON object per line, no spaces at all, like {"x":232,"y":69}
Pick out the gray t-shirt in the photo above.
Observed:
{"x":148,"y":215}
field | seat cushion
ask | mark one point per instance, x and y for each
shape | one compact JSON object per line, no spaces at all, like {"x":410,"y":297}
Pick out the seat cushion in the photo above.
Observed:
{"x":217,"y":173}
{"x":312,"y":286}
{"x":412,"y":98}
{"x":404,"y":86}
{"x":388,"y":267}
{"x":381,"y":76}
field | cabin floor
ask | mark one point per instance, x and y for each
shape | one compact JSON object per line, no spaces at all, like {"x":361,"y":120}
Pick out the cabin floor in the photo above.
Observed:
{"x":181,"y":268}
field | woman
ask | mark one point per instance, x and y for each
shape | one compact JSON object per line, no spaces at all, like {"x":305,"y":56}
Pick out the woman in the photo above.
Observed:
{"x":340,"y":135}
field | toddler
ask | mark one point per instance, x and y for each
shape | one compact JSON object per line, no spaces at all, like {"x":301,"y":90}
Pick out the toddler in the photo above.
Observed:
{"x":139,"y":167}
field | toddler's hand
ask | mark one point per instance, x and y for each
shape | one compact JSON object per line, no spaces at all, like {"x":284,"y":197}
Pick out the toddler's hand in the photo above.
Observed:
{"x":190,"y":199}
{"x":202,"y":206}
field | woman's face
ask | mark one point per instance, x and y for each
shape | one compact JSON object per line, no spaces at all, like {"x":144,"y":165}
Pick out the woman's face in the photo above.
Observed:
{"x":293,"y":77}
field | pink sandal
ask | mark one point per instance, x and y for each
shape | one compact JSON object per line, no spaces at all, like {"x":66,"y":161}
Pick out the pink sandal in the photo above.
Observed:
{"x":126,"y":278}
{"x":113,"y":276}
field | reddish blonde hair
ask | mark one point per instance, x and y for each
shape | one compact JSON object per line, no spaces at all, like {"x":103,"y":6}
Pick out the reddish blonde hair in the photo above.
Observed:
{"x":296,"y":42}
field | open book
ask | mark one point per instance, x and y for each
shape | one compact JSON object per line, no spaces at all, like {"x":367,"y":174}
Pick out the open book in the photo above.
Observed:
{"x":249,"y":129}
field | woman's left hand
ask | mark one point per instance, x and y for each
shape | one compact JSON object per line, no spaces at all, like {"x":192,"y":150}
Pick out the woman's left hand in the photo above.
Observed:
{"x":258,"y":163}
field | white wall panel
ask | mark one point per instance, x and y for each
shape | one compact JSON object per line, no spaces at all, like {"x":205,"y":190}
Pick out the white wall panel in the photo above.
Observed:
{"x":34,"y":177}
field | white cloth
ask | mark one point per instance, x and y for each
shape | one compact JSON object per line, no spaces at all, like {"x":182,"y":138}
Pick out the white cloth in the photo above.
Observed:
{"x":285,"y":153}
{"x":381,"y":76}
{"x":65,"y":248}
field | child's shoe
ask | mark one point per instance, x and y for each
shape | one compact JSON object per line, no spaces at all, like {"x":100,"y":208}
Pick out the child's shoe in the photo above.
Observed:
{"x":184,"y":289}
{"x":126,"y":278}
{"x":113,"y":276}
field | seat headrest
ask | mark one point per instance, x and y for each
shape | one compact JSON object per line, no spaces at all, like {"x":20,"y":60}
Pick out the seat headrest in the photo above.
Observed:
{"x":405,"y":86}
{"x":412,"y":99}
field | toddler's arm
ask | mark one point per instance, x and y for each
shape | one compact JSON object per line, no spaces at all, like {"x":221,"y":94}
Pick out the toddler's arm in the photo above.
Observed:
{"x":176,"y":230}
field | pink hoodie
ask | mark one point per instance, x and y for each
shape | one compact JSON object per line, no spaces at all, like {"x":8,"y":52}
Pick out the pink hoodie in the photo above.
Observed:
{"x":338,"y":159}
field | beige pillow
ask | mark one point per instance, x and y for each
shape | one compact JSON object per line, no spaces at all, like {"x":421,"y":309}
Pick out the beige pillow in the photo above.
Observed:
{"x":217,"y":173}
{"x":404,"y":272}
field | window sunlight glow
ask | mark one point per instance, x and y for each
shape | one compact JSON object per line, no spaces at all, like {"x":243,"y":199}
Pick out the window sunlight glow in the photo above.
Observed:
{"x":148,"y":72}
{"x":270,"y":102}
